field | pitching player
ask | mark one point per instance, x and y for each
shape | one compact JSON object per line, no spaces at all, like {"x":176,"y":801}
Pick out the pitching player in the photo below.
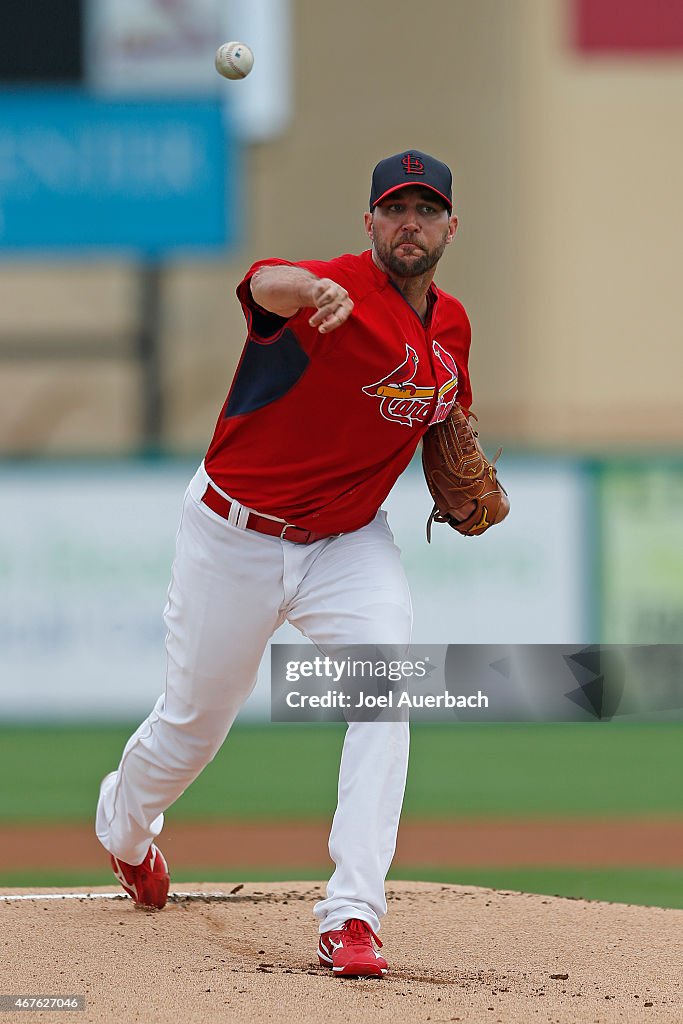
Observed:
{"x":345,"y":365}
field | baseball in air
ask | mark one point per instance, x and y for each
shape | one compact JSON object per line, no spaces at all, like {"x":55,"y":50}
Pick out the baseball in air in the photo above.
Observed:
{"x":234,"y":60}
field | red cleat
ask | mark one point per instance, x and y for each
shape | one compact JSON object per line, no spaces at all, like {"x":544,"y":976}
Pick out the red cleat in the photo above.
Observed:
{"x":148,"y":882}
{"x":350,"y":952}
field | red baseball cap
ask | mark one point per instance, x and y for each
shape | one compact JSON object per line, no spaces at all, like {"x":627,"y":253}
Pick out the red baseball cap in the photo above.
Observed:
{"x":411,"y":168}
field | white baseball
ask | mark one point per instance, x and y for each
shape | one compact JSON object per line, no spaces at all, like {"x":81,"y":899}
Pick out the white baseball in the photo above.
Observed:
{"x":234,"y":60}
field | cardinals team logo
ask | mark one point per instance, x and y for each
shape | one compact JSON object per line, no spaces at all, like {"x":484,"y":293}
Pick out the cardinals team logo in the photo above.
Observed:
{"x":412,"y":164}
{"x":403,"y":401}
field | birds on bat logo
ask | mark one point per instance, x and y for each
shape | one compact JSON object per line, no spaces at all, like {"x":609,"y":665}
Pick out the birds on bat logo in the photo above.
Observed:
{"x":403,"y":401}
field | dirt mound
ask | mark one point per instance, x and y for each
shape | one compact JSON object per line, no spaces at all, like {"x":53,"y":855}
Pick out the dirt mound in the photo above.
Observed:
{"x":456,"y":953}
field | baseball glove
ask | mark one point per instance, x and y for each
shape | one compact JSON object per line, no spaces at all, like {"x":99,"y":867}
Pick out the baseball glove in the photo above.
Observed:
{"x":462,"y":482}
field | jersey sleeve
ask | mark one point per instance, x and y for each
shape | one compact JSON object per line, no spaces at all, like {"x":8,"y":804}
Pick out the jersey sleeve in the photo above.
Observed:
{"x":263,"y":326}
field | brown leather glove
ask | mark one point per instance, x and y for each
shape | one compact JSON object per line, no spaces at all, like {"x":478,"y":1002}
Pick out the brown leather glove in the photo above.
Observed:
{"x":462,"y":482}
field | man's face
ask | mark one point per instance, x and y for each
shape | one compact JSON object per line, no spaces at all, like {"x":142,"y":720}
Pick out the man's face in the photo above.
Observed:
{"x":410,"y":230}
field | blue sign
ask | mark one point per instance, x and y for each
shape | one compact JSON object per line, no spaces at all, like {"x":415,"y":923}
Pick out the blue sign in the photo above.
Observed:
{"x":78,"y":172}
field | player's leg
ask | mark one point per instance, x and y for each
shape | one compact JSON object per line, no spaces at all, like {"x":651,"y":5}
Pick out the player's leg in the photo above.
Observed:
{"x":223,"y":605}
{"x":356,"y":592}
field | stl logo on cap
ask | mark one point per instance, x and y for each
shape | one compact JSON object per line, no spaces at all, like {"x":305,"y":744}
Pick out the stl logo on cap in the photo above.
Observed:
{"x":412,"y":164}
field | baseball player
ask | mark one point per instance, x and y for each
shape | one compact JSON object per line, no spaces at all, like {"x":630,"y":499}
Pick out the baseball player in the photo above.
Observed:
{"x":345,"y":366}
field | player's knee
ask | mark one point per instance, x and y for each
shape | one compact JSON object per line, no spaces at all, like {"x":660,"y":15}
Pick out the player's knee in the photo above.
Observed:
{"x":199,"y":731}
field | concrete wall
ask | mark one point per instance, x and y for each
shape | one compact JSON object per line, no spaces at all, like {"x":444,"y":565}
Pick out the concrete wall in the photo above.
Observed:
{"x":567,"y":177}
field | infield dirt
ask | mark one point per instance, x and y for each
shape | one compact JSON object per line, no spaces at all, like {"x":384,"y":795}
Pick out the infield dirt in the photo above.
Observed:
{"x":511,"y":842}
{"x":456,"y":953}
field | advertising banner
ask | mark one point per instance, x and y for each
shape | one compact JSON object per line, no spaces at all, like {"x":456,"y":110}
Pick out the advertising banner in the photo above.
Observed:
{"x":145,"y":44}
{"x":140,"y":176}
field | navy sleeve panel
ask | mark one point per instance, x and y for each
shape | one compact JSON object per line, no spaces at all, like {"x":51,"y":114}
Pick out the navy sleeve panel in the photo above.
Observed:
{"x":266,"y":373}
{"x":264,"y":325}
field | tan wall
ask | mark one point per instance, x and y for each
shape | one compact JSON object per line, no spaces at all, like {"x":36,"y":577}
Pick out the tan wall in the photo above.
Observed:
{"x":566,"y":180}
{"x":602,"y":296}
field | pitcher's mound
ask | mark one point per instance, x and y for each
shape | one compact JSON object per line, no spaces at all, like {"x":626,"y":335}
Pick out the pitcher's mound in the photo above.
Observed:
{"x":231,"y":953}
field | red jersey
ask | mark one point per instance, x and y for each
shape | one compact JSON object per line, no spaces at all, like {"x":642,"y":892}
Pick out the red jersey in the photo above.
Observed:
{"x":317,"y":427}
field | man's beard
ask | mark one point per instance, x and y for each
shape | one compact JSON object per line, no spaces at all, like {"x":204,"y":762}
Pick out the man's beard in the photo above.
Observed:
{"x":409,"y":268}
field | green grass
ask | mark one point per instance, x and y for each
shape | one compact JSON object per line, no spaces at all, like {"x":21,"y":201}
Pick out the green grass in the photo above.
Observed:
{"x":655,"y":887}
{"x":646,"y":886}
{"x":53,"y":773}
{"x":284,"y":771}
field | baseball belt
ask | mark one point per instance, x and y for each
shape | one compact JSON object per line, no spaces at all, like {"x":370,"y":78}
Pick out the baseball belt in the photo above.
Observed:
{"x":262,"y":524}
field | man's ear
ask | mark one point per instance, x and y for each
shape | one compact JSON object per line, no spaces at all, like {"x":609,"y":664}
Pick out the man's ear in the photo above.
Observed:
{"x":367,"y":217}
{"x":452,"y":228}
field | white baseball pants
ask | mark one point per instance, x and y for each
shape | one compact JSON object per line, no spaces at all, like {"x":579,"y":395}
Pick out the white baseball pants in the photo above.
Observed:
{"x":230,"y":590}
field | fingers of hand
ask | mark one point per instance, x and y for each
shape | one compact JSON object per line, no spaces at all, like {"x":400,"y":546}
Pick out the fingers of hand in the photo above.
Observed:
{"x":335,"y":318}
{"x":333,"y":307}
